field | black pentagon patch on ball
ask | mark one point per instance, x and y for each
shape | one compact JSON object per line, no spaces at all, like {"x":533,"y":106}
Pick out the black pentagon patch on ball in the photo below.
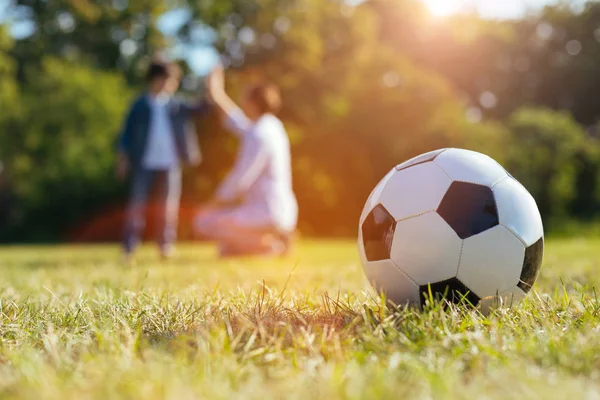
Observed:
{"x":452,"y":290}
{"x":378,"y":234}
{"x":531,"y":265}
{"x":469,"y":209}
{"x":423,"y":158}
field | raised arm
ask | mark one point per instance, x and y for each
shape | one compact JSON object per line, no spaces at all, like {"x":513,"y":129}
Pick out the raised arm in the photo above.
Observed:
{"x":232,"y":115}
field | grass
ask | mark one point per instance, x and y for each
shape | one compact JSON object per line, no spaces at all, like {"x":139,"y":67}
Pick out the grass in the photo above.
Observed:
{"x":73,"y":324}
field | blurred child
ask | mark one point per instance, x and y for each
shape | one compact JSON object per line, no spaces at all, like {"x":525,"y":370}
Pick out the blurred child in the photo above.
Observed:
{"x":157,"y":140}
{"x":254,"y":210}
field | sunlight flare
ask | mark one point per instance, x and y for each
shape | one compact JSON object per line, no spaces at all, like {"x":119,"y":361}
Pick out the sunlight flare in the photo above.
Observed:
{"x":444,"y":8}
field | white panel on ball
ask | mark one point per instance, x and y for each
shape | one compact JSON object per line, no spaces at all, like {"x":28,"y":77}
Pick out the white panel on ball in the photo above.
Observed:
{"x":398,"y":288}
{"x":491,"y":262}
{"x":507,"y":299}
{"x":420,"y":159}
{"x":470,"y":166}
{"x":426,"y":248}
{"x":517,"y":211}
{"x":415,"y":191}
{"x":373,"y":199}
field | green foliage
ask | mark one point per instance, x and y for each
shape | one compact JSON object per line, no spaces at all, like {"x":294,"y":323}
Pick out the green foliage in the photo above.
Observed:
{"x":61,"y":159}
{"x":74,"y":324}
{"x":111,"y":35}
{"x":543,"y":156}
{"x":489,"y":137}
{"x":548,"y":58}
{"x":8,"y":87}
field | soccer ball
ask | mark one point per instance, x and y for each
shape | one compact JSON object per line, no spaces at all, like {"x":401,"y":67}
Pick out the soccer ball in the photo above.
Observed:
{"x":451,"y":224}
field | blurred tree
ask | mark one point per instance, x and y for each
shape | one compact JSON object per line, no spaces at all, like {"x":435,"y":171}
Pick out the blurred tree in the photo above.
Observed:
{"x":586,"y":203}
{"x":567,"y":63}
{"x":8,"y":88}
{"x":543,"y":155}
{"x":59,"y":163}
{"x":9,"y":114}
{"x":107,"y":34}
{"x":471,"y":53}
{"x":549,"y":58}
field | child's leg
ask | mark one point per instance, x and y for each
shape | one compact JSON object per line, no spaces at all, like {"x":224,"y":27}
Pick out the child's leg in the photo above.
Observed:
{"x":135,"y":220}
{"x":169,"y":197}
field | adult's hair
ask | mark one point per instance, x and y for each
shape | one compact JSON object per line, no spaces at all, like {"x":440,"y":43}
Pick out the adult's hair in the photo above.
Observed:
{"x":162,"y":69}
{"x":266,"y":97}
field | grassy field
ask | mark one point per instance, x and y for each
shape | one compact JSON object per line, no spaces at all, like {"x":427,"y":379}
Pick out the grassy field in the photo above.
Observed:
{"x":74,"y":324}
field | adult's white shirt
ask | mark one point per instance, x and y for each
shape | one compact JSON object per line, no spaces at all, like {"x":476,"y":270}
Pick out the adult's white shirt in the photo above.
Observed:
{"x":161,"y":152}
{"x":262,"y":174}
